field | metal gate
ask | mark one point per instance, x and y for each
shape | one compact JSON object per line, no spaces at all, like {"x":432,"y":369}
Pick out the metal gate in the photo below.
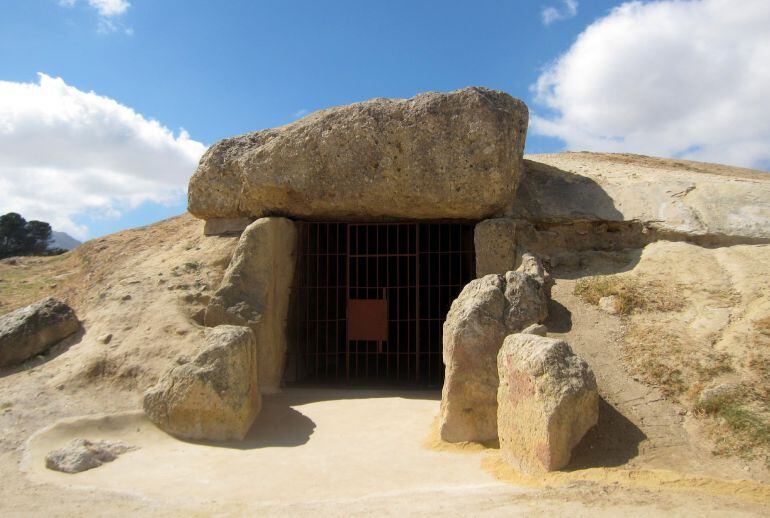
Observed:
{"x":369,"y":300}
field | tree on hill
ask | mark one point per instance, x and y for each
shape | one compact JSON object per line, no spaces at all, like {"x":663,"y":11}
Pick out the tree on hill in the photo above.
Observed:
{"x":21,"y":237}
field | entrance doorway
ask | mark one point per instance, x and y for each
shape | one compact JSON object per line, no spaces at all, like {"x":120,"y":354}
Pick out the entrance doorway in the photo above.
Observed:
{"x":369,"y":300}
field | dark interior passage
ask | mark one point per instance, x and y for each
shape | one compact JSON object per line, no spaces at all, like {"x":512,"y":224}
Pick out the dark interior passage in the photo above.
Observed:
{"x":369,"y":300}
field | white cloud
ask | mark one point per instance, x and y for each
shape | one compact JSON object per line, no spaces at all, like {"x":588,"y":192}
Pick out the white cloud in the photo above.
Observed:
{"x":65,"y":152}
{"x":105,"y":8}
{"x":110,"y":7}
{"x":299,"y":113}
{"x":566,"y":10}
{"x":109,"y":11}
{"x":674,"y":78}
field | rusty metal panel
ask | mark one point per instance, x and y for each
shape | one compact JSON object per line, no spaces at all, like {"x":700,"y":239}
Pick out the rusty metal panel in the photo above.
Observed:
{"x":368,"y":319}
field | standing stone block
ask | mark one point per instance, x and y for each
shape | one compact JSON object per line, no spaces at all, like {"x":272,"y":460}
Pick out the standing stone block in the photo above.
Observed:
{"x":255,"y":292}
{"x":547,"y":401}
{"x":225,"y":226}
{"x":495,"y":243}
{"x":485,"y":312}
{"x":213,"y":397}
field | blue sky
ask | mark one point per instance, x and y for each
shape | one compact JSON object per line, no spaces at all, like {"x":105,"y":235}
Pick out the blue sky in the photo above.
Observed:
{"x":219,"y":68}
{"x":223,"y":68}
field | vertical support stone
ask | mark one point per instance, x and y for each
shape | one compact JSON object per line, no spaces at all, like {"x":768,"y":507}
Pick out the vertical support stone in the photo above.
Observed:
{"x":255,"y":292}
{"x":482,"y":315}
{"x":215,"y":396}
{"x":225,"y":226}
{"x":546,"y":402}
{"x":495,"y":243}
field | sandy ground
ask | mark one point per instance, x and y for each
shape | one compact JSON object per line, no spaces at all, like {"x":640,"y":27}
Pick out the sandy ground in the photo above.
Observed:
{"x":333,"y":453}
{"x":329,"y":452}
{"x":638,"y":426}
{"x":312,"y":447}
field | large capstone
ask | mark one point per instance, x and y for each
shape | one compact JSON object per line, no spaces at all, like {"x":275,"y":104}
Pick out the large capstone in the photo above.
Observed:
{"x":255,"y":292}
{"x":32,"y":330}
{"x":213,"y":397}
{"x":436,"y":155}
{"x":485,"y":312}
{"x":547,"y":401}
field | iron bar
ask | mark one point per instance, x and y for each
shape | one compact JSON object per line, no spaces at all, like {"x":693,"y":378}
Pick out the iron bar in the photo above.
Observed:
{"x":416,"y":269}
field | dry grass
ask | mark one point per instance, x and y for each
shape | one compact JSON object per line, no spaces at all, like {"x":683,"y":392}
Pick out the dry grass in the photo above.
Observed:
{"x":662,"y":356}
{"x":633,"y":295}
{"x":763,"y":325}
{"x":78,"y":277}
{"x":742,"y":425}
{"x":25,"y":280}
{"x":660,"y":349}
{"x":758,"y":365}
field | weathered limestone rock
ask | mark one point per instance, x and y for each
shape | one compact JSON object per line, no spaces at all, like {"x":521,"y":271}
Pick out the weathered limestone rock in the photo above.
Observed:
{"x":547,"y":401}
{"x":527,"y":290}
{"x":533,"y":266}
{"x":483,"y":314}
{"x":437,"y":155}
{"x":215,"y":396}
{"x":82,"y":454}
{"x":708,"y":203}
{"x":224,"y":226}
{"x":255,"y":292}
{"x":610,"y":304}
{"x":723,"y":390}
{"x":495,"y":243}
{"x":31,"y":330}
{"x":535,"y":329}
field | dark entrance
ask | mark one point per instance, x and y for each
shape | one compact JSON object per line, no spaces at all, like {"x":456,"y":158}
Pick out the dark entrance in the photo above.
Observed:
{"x":370,"y":299}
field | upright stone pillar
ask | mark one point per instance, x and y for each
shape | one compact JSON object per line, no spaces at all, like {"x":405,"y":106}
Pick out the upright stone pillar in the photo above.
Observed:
{"x":255,"y":292}
{"x":495,"y":243}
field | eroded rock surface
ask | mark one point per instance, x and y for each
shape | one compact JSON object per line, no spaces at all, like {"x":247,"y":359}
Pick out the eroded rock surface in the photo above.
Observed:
{"x":535,"y":329}
{"x":485,"y":312}
{"x":547,"y":401}
{"x":32,"y":330}
{"x":495,"y":244}
{"x":255,"y":292}
{"x":213,"y":397}
{"x":709,"y":203}
{"x":436,"y":155}
{"x":82,"y":455}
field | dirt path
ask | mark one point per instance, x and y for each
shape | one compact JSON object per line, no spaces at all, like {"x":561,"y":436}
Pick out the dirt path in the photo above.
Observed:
{"x":638,"y":427}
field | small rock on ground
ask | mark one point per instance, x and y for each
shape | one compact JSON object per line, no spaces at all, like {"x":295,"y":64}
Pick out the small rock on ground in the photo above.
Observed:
{"x":610,"y":304}
{"x":720,"y":391}
{"x":82,"y":455}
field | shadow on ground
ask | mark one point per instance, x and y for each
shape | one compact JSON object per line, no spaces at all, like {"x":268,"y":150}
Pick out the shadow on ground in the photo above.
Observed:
{"x":588,"y":263}
{"x":612,"y":442}
{"x":559,"y":318}
{"x":280,"y":425}
{"x":303,"y":394}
